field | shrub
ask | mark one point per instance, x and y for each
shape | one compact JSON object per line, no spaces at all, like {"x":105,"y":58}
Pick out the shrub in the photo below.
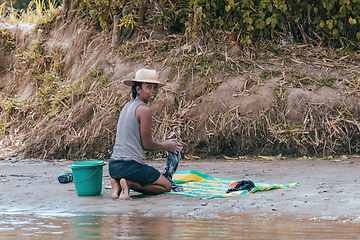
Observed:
{"x":305,"y":21}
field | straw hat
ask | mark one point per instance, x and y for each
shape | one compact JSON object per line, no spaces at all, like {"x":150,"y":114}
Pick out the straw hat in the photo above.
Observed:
{"x":146,"y":76}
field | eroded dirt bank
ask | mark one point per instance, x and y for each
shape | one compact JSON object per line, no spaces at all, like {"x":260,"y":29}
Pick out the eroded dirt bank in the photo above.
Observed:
{"x":299,"y":100}
{"x":328,"y":189}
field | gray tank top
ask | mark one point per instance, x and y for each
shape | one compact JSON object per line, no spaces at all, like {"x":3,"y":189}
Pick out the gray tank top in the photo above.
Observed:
{"x":128,"y":144}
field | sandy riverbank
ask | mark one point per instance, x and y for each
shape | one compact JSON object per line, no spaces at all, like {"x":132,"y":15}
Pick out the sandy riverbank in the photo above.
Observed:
{"x":328,"y":189}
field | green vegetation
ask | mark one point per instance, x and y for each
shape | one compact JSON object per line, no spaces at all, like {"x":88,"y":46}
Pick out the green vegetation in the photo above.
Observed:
{"x":205,"y":43}
{"x":7,"y":42}
{"x":100,"y":11}
{"x":56,"y":99}
{"x":267,"y":73}
{"x":40,"y":12}
{"x":328,"y":82}
{"x":299,"y":79}
{"x":334,"y":22}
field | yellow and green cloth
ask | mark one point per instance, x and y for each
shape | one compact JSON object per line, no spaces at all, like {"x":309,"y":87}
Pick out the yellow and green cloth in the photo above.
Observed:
{"x":199,"y":184}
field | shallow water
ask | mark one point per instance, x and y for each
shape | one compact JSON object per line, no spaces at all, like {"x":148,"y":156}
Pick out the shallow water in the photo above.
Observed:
{"x":52,"y":225}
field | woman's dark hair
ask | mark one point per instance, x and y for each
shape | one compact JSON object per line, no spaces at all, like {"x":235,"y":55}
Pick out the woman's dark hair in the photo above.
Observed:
{"x":133,"y":89}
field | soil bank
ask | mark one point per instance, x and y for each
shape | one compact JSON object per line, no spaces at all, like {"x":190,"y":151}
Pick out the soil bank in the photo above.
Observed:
{"x":329,"y":189}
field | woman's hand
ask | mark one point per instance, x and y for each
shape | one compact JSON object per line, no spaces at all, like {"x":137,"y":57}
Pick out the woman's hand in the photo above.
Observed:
{"x":173,"y":145}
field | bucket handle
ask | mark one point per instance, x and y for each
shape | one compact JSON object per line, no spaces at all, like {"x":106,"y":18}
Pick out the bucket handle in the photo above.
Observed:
{"x":88,"y":176}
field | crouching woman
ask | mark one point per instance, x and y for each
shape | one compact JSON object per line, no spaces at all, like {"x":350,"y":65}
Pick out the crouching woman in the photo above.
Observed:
{"x":127,"y":165}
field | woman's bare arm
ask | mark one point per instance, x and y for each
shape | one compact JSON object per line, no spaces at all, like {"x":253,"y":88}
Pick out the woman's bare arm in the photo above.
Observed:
{"x":143,"y":115}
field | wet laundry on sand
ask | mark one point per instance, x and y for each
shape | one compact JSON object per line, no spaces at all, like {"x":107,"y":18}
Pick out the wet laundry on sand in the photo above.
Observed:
{"x":199,"y":184}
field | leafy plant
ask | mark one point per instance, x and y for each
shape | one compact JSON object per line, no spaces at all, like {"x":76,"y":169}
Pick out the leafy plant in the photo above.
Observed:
{"x":39,"y":12}
{"x":101,"y":12}
{"x":299,"y":21}
{"x":128,"y":20}
{"x":6,"y":40}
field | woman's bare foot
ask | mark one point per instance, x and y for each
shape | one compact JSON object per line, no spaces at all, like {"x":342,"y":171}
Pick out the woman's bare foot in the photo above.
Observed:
{"x":115,"y":188}
{"x":125,"y":190}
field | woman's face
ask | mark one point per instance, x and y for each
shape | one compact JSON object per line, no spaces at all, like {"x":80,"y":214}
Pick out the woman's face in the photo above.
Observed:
{"x":147,"y":92}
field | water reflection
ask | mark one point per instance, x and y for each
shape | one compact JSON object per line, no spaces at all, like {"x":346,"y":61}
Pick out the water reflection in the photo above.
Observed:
{"x":137,"y":226}
{"x":88,"y":226}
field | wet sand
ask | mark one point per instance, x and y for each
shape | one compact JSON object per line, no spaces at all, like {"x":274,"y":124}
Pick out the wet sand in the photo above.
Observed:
{"x":329,"y":189}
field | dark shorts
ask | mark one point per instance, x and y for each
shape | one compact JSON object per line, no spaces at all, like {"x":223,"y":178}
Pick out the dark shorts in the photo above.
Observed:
{"x":133,"y":171}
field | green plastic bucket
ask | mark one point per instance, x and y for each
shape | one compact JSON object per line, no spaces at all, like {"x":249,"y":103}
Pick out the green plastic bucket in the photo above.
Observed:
{"x":87,"y":177}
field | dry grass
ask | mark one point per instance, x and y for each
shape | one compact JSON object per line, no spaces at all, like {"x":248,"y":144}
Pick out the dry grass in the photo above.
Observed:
{"x":38,"y":12}
{"x":83,"y":123}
